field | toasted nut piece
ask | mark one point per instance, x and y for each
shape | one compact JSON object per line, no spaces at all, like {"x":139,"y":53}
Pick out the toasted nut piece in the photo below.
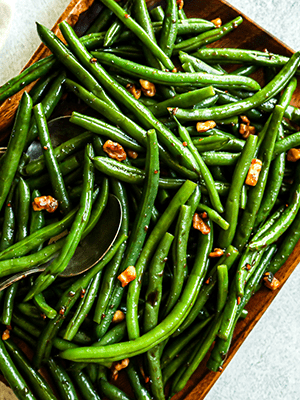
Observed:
{"x":133,"y":90}
{"x":245,"y":119}
{"x":293,"y":155}
{"x":117,"y":366}
{"x":180,"y":4}
{"x":119,"y":316}
{"x":216,"y":253}
{"x":246,"y":130}
{"x":253,"y":173}
{"x":270,"y":281}
{"x":199,"y":224}
{"x":205,"y":126}
{"x":132,"y":154}
{"x":127,"y":276}
{"x":148,"y":88}
{"x":6,"y":334}
{"x":114,"y":150}
{"x":47,"y":203}
{"x":217,"y":22}
{"x":204,"y":215}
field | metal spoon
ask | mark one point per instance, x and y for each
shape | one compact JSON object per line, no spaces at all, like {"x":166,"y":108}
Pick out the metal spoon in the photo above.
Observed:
{"x":93,"y":247}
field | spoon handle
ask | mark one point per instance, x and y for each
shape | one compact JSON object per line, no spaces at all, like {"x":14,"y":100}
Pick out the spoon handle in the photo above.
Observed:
{"x":7,"y":281}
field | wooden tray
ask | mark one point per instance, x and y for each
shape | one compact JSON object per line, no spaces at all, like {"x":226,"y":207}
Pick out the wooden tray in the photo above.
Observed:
{"x":250,"y":36}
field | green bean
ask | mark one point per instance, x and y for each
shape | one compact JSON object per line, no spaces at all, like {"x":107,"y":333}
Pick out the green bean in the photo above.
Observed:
{"x":66,"y":302}
{"x":153,"y":300}
{"x":74,"y":236}
{"x":11,"y":374}
{"x":30,"y":74}
{"x":39,"y":89}
{"x":135,"y":380}
{"x":62,"y":380}
{"x":255,"y":193}
{"x":112,"y":268}
{"x":229,"y":313}
{"x":198,"y":354}
{"x":182,"y":100}
{"x":101,"y":128}
{"x":15,"y":147}
{"x":179,"y":250}
{"x":280,"y":226}
{"x":26,"y":337}
{"x":25,"y":324}
{"x":114,"y":335}
{"x":29,"y":310}
{"x":180,"y":360}
{"x":55,"y":174}
{"x":287,"y":143}
{"x":61,"y":152}
{"x":84,"y":308}
{"x":178,"y":79}
{"x":85,"y":385}
{"x":228,"y":259}
{"x":64,"y":55}
{"x":101,"y":22}
{"x":214,"y":216}
{"x":222,"y":273}
{"x":129,"y":174}
{"x":226,"y":55}
{"x":49,"y":103}
{"x":165,"y":136}
{"x":197,"y":64}
{"x":41,"y":303}
{"x":177,"y":345}
{"x":207,"y":37}
{"x":8,"y":304}
{"x":8,"y":226}
{"x":39,"y":385}
{"x":205,"y":173}
{"x":139,"y":32}
{"x":37,"y":220}
{"x":269,"y":91}
{"x":110,"y":391}
{"x":114,"y":31}
{"x":157,"y":13}
{"x":169,"y":29}
{"x":156,"y":235}
{"x":233,"y":199}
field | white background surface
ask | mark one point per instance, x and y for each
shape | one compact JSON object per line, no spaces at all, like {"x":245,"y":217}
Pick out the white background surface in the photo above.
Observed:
{"x":267,"y":366}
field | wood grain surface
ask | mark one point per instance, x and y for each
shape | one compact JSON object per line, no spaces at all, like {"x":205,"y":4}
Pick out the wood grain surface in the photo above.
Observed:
{"x":249,"y":36}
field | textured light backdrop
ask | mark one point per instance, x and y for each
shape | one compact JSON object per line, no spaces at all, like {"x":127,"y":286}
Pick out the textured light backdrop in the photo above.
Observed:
{"x":267,"y":365}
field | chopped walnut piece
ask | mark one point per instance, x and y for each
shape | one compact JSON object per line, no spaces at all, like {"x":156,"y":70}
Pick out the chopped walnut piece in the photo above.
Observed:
{"x":180,"y":4}
{"x":132,"y":154}
{"x":117,"y":366}
{"x":133,"y":90}
{"x":216,"y":253}
{"x":127,"y":276}
{"x":293,"y":155}
{"x":205,"y":126}
{"x":6,"y":334}
{"x":114,"y":150}
{"x":148,"y":88}
{"x":270,"y":281}
{"x":245,"y":119}
{"x":253,"y":173}
{"x":199,"y":224}
{"x":119,"y":316}
{"x":246,"y":130}
{"x":47,"y":203}
{"x":217,"y":22}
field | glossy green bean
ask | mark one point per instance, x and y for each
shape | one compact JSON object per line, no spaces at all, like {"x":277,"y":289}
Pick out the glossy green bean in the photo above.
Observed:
{"x":13,"y":377}
{"x":207,"y":37}
{"x":233,"y":199}
{"x":178,"y":79}
{"x":15,"y":147}
{"x":225,"y":111}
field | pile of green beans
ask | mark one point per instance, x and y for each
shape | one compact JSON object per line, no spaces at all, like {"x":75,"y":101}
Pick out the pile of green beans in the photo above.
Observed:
{"x":199,"y":229}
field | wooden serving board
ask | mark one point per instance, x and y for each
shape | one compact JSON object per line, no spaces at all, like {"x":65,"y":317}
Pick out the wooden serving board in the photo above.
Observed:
{"x":249,"y":36}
